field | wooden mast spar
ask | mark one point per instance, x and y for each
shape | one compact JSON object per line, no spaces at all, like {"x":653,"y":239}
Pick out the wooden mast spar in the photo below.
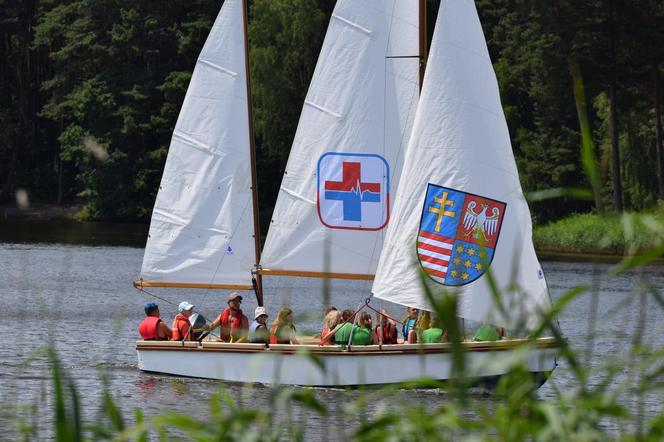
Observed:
{"x":252,"y":157}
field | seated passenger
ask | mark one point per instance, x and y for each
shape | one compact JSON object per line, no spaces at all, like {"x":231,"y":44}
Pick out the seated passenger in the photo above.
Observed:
{"x":409,"y":322}
{"x":489,"y":333}
{"x":332,"y":319}
{"x":152,"y":328}
{"x":258,"y":332}
{"x":423,"y":321}
{"x":387,"y":328}
{"x":234,"y":324}
{"x":435,"y":333}
{"x":362,"y":334}
{"x":283,"y":330}
{"x":181,"y":327}
{"x":341,"y":333}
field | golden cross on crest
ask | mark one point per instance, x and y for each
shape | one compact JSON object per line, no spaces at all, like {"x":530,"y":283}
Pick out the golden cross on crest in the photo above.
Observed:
{"x":440,"y":210}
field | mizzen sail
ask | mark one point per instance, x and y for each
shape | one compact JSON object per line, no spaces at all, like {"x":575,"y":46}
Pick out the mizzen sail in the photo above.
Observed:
{"x":459,"y":208}
{"x":201,"y":233}
{"x":334,"y":200}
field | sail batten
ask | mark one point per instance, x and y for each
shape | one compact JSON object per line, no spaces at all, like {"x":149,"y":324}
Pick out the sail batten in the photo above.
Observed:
{"x":201,"y":231}
{"x":459,"y":210}
{"x":334,"y":199}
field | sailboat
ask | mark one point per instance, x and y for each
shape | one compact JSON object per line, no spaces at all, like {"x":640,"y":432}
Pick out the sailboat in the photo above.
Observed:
{"x":365,"y":136}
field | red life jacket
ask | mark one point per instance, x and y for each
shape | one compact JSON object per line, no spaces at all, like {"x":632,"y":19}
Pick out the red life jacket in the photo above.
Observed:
{"x":229,"y":323}
{"x":181,"y":328}
{"x":390,"y":336}
{"x":149,"y":330}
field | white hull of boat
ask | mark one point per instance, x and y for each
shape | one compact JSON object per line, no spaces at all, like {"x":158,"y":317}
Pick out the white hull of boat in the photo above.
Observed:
{"x":311,"y":365}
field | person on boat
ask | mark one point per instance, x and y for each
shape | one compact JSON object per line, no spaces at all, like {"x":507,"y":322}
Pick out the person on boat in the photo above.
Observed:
{"x":489,"y":333}
{"x":435,"y":333}
{"x":181,"y":326}
{"x":258,"y":332}
{"x":283,"y":330}
{"x":233,"y":324}
{"x":423,"y":320}
{"x":152,"y":328}
{"x":332,"y":319}
{"x":386,"y":327}
{"x":341,"y":333}
{"x":362,"y":334}
{"x":409,"y":322}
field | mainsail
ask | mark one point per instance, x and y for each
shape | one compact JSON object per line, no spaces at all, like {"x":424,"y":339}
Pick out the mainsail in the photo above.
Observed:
{"x":201,"y":233}
{"x":334,"y":200}
{"x":459,"y":207}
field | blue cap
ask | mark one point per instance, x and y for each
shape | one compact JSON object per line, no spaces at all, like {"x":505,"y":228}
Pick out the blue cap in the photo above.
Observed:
{"x":151,"y":304}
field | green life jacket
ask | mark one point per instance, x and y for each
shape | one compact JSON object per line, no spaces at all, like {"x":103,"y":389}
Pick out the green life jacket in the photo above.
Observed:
{"x":486,"y":333}
{"x":432,"y":335}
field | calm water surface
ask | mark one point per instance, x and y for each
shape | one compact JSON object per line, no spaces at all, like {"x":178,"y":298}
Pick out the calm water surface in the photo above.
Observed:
{"x":80,"y":300}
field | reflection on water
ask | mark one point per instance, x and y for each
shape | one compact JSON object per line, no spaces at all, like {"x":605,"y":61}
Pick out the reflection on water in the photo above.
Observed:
{"x":80,"y":300}
{"x":72,"y":232}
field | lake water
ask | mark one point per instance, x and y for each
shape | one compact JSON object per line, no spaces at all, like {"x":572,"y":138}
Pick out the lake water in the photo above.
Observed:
{"x":80,"y":300}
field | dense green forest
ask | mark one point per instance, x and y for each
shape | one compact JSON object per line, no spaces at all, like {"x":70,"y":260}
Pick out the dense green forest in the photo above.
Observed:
{"x":91,"y":89}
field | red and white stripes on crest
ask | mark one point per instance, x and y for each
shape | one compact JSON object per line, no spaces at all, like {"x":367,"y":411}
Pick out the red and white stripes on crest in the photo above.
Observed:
{"x":434,"y":252}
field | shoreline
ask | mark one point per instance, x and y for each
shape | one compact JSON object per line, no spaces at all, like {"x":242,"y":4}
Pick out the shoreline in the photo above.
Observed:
{"x":49,"y":223}
{"x":40,"y":212}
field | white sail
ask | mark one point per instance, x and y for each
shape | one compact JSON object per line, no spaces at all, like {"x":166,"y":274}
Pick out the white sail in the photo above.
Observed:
{"x":459,"y":205}
{"x":333,"y":203}
{"x":201,"y":231}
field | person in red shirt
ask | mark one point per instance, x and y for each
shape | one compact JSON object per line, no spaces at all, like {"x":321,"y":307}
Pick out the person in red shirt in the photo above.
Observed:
{"x":181,"y":326}
{"x":234,"y":324}
{"x":152,"y":328}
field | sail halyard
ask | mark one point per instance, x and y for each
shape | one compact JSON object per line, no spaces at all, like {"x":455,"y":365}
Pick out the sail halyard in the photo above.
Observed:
{"x":347,"y":152}
{"x":202,"y":228}
{"x":459,"y":208}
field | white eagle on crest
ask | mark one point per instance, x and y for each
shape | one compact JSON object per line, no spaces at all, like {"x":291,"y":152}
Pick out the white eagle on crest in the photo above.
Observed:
{"x":480,"y":223}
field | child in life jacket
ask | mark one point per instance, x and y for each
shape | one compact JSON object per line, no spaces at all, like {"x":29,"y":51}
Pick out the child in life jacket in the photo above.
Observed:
{"x":283,"y":330}
{"x":386,"y":329}
{"x":332,"y":319}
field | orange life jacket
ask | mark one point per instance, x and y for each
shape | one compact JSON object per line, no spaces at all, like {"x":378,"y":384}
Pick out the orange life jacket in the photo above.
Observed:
{"x":326,"y":331}
{"x":229,"y":324}
{"x":149,"y":330}
{"x":181,"y":328}
{"x":274,"y":338}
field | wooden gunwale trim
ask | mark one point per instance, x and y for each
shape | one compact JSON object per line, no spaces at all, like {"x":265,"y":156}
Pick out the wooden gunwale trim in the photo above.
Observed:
{"x":475,"y":347}
{"x":279,"y":272}
{"x":188,"y":285}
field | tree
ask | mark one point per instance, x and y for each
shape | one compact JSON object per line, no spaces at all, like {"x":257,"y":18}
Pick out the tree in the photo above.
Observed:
{"x":285,"y":39}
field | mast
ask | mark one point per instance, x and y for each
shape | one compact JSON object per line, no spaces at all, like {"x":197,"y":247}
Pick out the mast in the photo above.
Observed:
{"x":423,"y":39}
{"x":252,"y":156}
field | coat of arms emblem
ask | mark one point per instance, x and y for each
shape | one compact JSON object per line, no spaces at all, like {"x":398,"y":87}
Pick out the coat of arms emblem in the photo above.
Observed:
{"x":458,"y":234}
